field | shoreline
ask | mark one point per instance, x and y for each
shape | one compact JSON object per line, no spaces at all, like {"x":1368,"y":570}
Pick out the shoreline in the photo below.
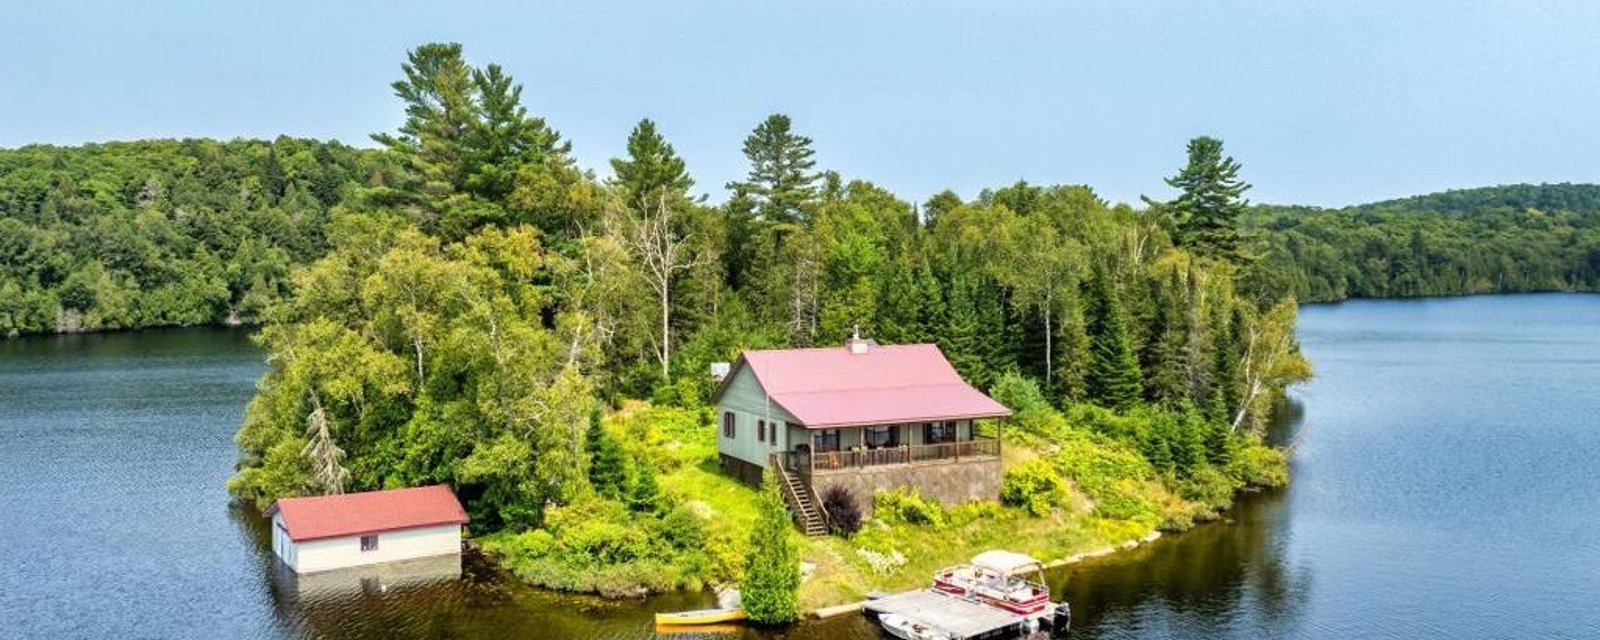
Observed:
{"x":224,"y":325}
{"x":832,"y":611}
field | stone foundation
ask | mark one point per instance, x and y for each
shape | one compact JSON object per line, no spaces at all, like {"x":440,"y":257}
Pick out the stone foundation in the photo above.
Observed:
{"x":951,"y":482}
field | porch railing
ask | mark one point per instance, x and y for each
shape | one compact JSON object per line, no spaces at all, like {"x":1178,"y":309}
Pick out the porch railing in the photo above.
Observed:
{"x":904,"y":454}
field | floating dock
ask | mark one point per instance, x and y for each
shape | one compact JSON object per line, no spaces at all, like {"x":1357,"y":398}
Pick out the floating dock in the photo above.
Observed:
{"x":962,"y":619}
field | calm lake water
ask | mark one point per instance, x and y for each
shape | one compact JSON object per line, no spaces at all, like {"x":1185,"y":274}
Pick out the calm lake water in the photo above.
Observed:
{"x":1445,"y":486}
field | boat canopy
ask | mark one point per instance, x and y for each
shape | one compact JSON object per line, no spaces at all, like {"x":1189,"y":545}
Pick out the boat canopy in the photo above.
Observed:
{"x":1005,"y":562}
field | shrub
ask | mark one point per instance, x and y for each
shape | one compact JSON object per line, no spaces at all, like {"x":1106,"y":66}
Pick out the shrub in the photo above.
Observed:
{"x":1019,"y":392}
{"x":1259,"y":465}
{"x":842,"y":509}
{"x":970,"y":512}
{"x":906,"y":506}
{"x":683,"y":528}
{"x":1035,"y":486}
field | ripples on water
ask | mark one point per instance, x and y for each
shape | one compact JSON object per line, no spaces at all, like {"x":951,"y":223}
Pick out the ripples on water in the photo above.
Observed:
{"x":1445,"y":486}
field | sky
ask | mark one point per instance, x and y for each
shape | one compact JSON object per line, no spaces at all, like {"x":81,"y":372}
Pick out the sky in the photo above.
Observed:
{"x":1324,"y":103}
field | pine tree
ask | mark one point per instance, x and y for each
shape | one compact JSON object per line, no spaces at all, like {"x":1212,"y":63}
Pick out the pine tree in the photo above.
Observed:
{"x":961,"y":334}
{"x":781,"y":182}
{"x":1224,"y":400}
{"x":652,"y":167}
{"x":1207,"y":212}
{"x":772,"y":565}
{"x":466,"y":140}
{"x":1114,"y":377}
{"x":646,"y":494}
{"x":1168,"y":345}
{"x":608,"y":473}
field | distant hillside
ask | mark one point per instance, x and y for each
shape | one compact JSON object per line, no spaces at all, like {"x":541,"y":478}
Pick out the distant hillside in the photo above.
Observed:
{"x":1510,"y":238}
{"x":162,"y":232}
{"x":1577,"y":198}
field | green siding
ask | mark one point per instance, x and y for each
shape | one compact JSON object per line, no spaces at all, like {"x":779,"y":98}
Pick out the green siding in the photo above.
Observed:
{"x":748,"y":402}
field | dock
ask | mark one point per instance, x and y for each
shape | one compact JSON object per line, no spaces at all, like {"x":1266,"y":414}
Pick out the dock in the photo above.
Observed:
{"x":962,"y":619}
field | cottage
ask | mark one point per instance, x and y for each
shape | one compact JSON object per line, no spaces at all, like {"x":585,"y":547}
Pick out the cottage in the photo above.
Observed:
{"x":323,"y":533}
{"x":866,"y":417}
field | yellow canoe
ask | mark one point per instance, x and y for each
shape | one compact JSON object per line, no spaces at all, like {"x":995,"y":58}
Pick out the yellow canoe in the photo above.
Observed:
{"x":700,"y":616}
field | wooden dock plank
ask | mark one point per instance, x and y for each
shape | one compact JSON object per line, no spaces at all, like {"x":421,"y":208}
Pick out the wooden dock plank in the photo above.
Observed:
{"x":960,"y":618}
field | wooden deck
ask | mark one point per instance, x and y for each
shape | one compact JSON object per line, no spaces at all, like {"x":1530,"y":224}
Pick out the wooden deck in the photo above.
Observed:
{"x":962,"y":619}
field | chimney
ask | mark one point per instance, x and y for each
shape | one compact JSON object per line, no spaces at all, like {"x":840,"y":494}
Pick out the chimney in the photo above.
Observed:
{"x":856,"y":344}
{"x":719,"y":370}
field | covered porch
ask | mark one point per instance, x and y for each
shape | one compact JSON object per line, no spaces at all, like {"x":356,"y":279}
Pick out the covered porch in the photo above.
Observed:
{"x":820,"y":451}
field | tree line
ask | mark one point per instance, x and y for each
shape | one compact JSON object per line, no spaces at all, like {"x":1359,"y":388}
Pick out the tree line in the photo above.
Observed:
{"x":1504,"y":239}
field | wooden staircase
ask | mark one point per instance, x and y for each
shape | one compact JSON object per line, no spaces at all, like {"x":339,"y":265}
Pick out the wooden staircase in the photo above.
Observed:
{"x":803,"y":505}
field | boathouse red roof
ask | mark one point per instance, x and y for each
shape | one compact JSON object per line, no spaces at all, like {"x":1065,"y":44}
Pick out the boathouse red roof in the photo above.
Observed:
{"x":832,"y":387}
{"x":350,"y":514}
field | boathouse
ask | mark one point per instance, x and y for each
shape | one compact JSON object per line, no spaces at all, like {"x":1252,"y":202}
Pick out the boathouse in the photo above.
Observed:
{"x":322,"y":533}
{"x":863,"y":416}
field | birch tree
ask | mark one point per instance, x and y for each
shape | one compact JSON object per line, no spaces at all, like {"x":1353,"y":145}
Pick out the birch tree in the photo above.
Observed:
{"x":663,"y":253}
{"x":1271,"y":362}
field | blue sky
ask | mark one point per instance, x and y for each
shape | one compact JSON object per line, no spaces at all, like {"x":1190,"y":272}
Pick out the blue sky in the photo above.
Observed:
{"x":1325,"y":103}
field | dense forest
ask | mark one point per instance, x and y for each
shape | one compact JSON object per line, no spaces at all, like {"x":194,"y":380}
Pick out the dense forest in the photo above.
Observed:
{"x":163,"y":233}
{"x":1489,"y":240}
{"x":193,"y":232}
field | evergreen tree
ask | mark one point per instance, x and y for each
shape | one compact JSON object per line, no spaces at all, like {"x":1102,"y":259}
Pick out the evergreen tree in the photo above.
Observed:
{"x":781,"y":182}
{"x":608,"y":473}
{"x":1207,"y":212}
{"x":645,"y":497}
{"x":652,"y":167}
{"x":772,"y":565}
{"x":961,"y":334}
{"x":1114,"y":377}
{"x":1167,"y":349}
{"x":466,"y":140}
{"x":1224,"y":400}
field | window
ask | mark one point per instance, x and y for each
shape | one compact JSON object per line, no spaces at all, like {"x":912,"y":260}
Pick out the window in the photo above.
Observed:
{"x":938,"y":432}
{"x":761,"y":430}
{"x":879,"y":437}
{"x":369,"y":543}
{"x":826,"y":440}
{"x":727,"y":424}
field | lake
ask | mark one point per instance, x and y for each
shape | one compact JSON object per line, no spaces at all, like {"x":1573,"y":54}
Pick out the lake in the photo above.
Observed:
{"x":1445,"y":486}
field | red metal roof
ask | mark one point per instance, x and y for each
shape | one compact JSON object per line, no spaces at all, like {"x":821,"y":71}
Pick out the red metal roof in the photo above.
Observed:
{"x":832,"y":387}
{"x":349,"y":514}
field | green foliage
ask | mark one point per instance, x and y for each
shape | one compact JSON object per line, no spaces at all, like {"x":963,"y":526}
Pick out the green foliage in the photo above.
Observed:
{"x":772,"y":567}
{"x":1490,"y":240}
{"x":781,"y":182}
{"x":475,"y":157}
{"x":645,"y":495}
{"x":1208,"y":209}
{"x":608,"y":470}
{"x":163,"y":232}
{"x":906,"y":506}
{"x":652,"y":168}
{"x":1114,"y":376}
{"x":1035,"y":486}
{"x":1020,"y":393}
